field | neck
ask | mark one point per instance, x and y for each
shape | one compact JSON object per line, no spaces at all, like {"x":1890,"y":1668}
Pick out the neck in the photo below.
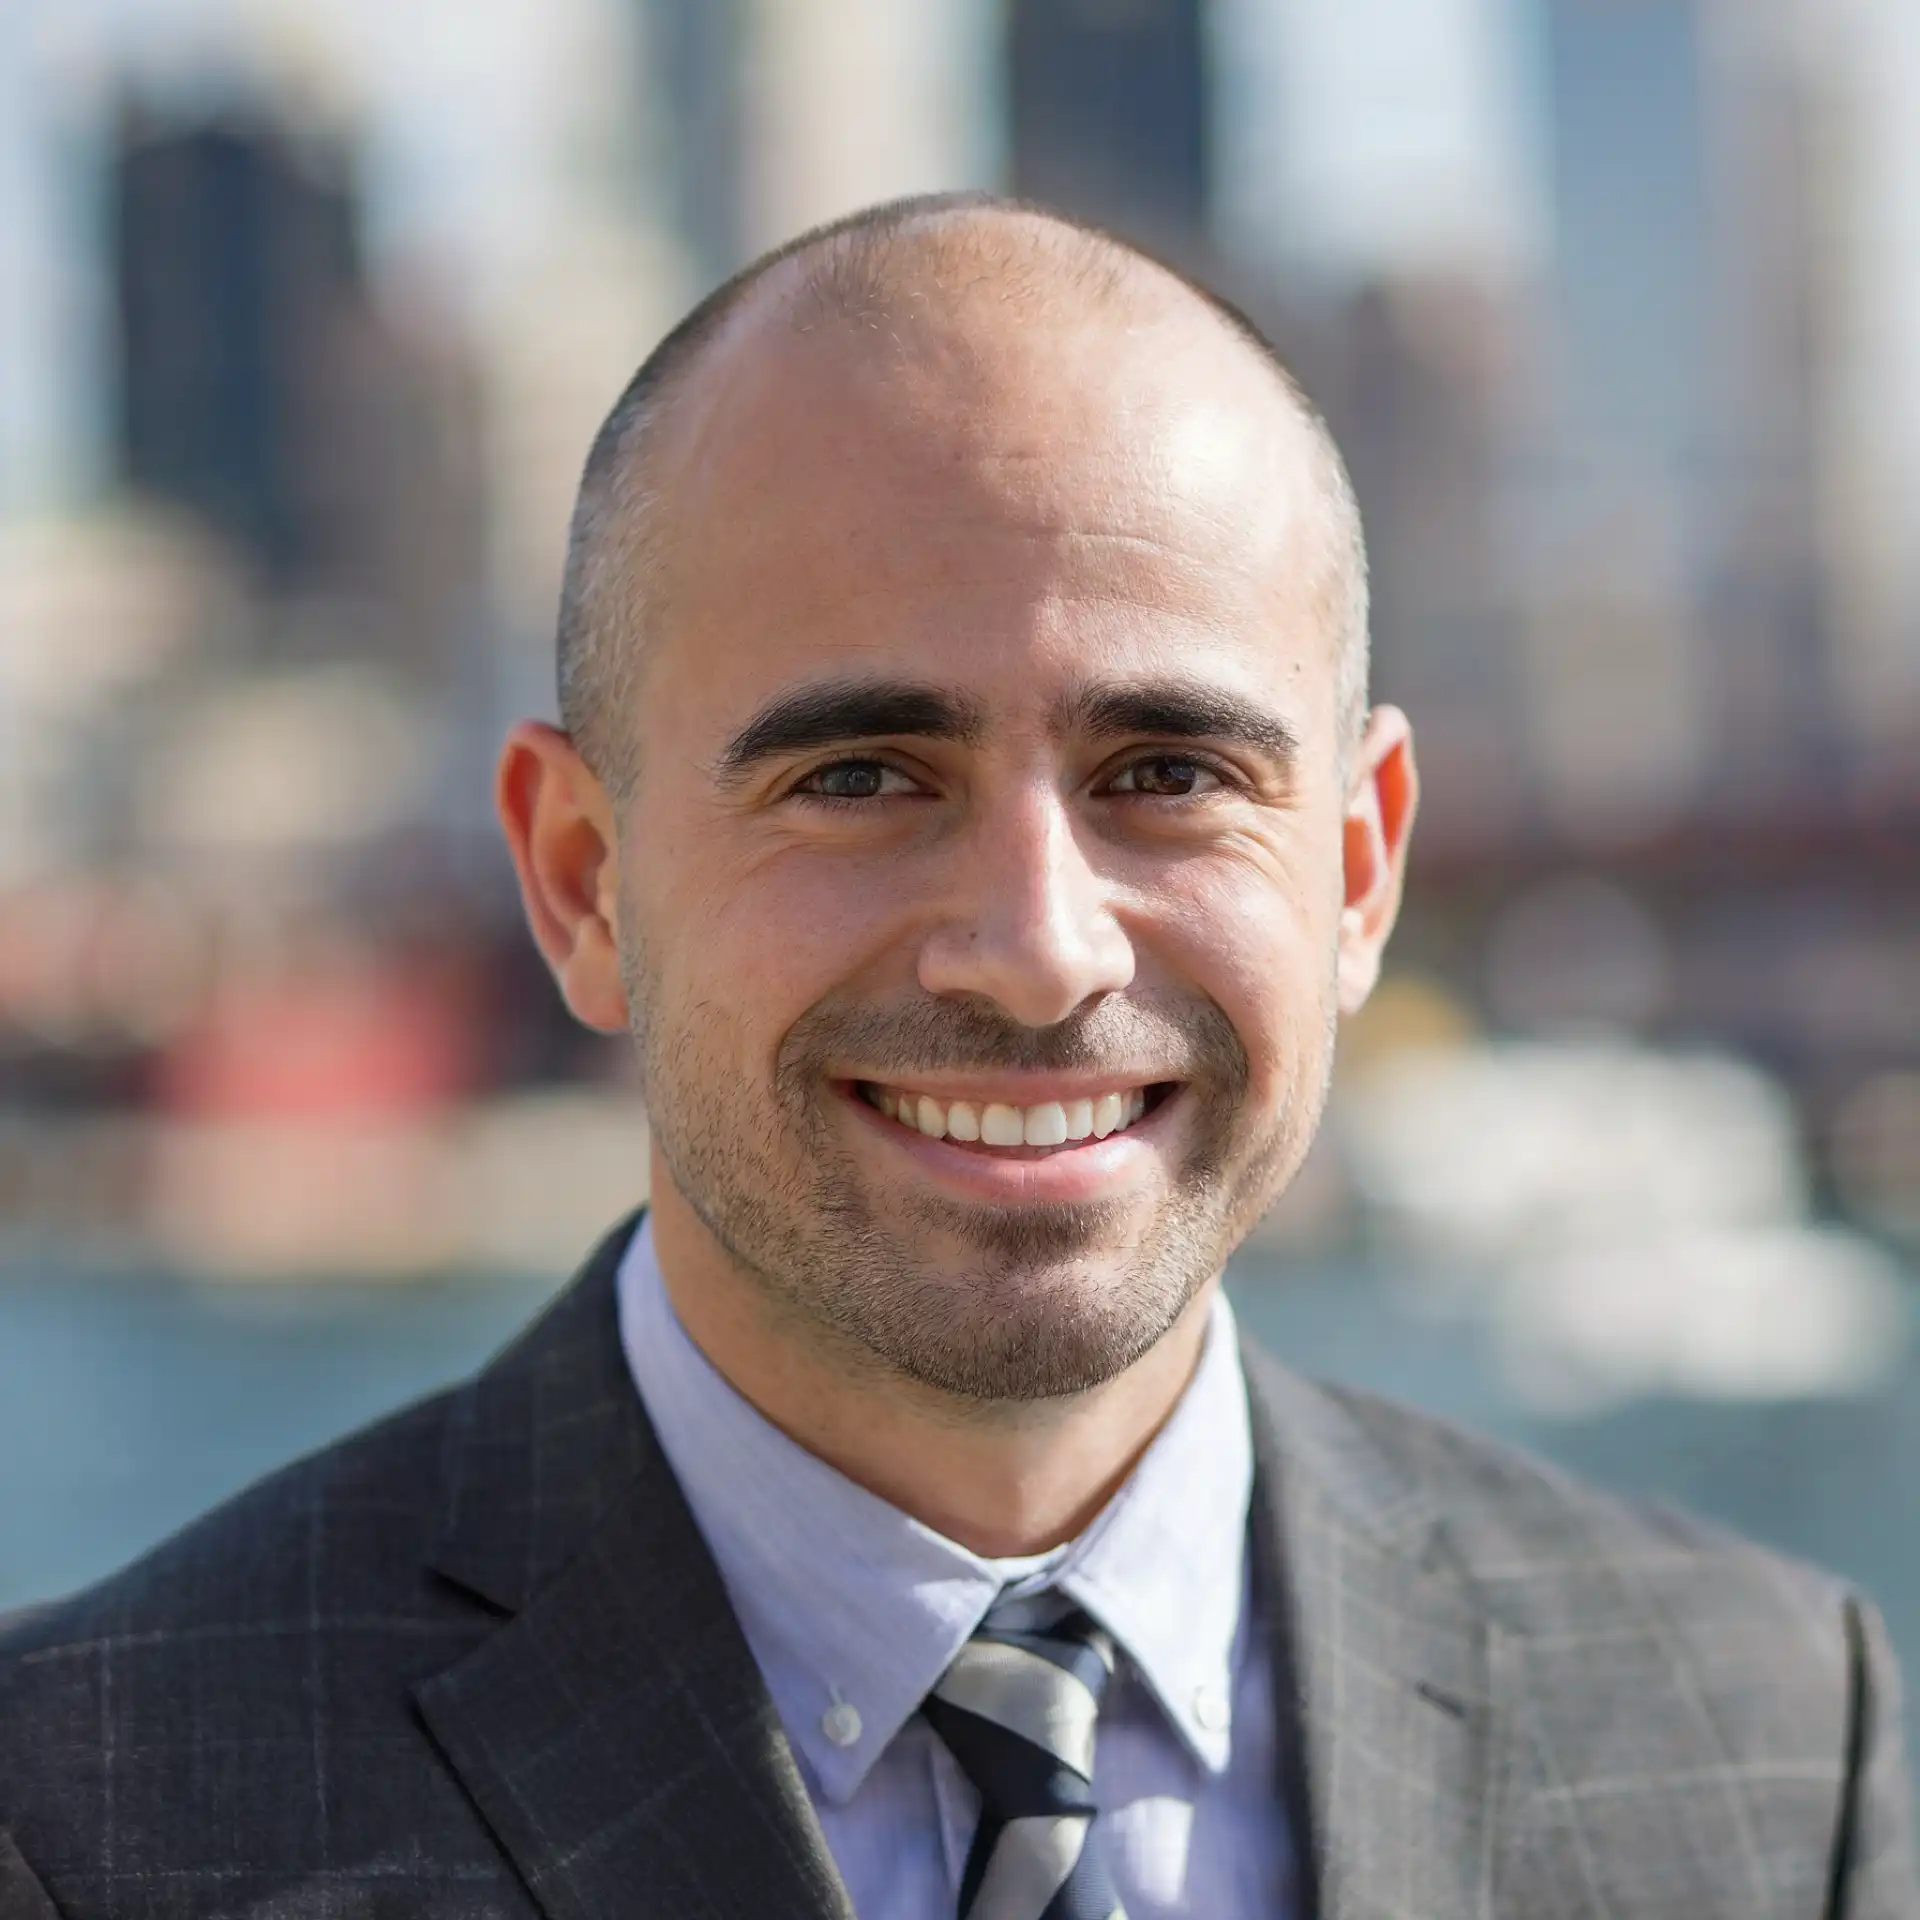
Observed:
{"x":1000,"y":1479}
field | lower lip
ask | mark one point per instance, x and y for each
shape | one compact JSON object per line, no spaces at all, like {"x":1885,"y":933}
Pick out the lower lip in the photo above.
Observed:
{"x":1061,"y":1176}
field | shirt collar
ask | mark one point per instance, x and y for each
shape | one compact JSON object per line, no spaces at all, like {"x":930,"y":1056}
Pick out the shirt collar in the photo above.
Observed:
{"x":846,"y":1601}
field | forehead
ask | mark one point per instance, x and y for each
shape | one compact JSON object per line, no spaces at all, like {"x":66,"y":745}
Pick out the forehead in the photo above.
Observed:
{"x":963,"y":496}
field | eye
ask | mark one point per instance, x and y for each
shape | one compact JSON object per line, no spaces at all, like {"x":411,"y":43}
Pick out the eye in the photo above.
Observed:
{"x":1168,"y":776}
{"x":855,"y":780}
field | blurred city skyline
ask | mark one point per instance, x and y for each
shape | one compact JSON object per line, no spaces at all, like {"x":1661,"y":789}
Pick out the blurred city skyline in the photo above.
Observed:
{"x":310,"y":312}
{"x":1607,"y":298}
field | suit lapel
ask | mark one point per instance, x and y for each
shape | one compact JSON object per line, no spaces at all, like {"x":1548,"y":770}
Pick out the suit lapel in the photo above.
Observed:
{"x":1399,"y":1687}
{"x":613,"y":1731}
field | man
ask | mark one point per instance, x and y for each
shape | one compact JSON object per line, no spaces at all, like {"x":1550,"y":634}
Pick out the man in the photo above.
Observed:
{"x":968,"y":801}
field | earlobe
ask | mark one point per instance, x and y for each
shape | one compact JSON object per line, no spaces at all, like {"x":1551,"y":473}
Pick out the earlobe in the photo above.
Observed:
{"x":559,"y":828}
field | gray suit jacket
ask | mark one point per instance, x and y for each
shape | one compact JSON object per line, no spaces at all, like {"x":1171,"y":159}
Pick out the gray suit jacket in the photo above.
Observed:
{"x":477,"y":1661}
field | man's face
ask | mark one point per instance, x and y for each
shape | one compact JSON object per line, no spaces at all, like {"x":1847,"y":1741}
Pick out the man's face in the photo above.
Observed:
{"x":981,"y":872}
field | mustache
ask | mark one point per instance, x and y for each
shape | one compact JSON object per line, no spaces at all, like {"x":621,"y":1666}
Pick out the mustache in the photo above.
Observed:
{"x":1149,"y":1039}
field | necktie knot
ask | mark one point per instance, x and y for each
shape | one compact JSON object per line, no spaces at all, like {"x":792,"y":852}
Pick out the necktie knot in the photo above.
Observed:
{"x":1018,"y":1709}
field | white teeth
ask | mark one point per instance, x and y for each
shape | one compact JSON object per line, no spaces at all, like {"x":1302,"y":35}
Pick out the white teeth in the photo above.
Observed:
{"x":1049,"y":1123}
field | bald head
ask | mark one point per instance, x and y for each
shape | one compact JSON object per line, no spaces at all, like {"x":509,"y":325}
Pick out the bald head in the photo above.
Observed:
{"x":933,"y":333}
{"x":966,"y":622}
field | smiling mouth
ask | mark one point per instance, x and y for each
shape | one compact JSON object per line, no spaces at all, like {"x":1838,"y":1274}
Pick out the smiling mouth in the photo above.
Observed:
{"x":996,"y":1127}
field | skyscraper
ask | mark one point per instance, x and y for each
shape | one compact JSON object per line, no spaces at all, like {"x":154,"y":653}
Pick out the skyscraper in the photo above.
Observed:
{"x":263,"y":392}
{"x":1634,"y":235}
{"x":1675,"y":655}
{"x":1107,"y":112}
{"x":853,"y":101}
{"x":234,"y":263}
{"x":696,"y":51}
{"x":1866,"y":64}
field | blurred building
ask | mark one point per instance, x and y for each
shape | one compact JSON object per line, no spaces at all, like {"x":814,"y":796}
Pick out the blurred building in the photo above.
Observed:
{"x":262,"y":390}
{"x":695,"y":54}
{"x":97,"y":613}
{"x":1675,"y":646}
{"x":853,"y":101}
{"x":1108,"y":113}
{"x":236,"y":266}
{"x":1860,"y":64}
{"x":1375,"y":140}
{"x":1615,"y":665}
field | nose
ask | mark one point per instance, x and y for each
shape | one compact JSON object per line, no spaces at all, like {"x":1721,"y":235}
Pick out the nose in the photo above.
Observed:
{"x":1028,"y":923}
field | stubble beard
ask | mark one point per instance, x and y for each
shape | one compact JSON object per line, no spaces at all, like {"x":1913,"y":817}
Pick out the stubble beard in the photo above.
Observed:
{"x":1028,"y":1303}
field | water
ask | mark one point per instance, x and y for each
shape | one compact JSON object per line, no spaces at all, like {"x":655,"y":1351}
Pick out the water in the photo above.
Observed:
{"x":128,"y":1404}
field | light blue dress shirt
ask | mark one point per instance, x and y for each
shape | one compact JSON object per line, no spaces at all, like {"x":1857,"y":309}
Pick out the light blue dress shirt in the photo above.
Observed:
{"x":854,"y":1609}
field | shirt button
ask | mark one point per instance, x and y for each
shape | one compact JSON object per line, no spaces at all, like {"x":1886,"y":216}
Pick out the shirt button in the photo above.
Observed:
{"x":841,"y":1724}
{"x":1210,"y":1709}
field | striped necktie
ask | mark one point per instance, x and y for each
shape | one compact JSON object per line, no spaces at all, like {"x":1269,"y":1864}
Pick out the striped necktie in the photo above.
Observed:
{"x":1017,"y":1710}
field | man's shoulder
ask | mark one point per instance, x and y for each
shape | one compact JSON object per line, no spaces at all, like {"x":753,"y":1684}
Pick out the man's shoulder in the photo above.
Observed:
{"x":233,"y":1714}
{"x":327,"y":1546}
{"x":1546,"y":1552}
{"x":237,"y":1714}
{"x":1673,"y":1692}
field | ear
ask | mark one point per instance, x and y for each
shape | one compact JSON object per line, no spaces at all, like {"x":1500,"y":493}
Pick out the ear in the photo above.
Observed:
{"x":558,"y":820}
{"x":1381,"y":803}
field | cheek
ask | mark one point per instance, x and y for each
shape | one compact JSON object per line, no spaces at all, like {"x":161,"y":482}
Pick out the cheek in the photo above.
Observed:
{"x":1261,"y":947}
{"x":754,"y":946}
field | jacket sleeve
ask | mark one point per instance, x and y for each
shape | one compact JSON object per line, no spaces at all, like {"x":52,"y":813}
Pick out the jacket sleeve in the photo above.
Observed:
{"x":1875,"y":1876}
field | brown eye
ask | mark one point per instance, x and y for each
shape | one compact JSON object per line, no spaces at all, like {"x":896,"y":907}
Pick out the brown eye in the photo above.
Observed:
{"x":1164,"y":776}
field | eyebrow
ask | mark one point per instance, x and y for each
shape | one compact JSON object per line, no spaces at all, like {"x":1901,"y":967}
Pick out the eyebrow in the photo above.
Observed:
{"x":836,"y":711}
{"x":1179,"y":710}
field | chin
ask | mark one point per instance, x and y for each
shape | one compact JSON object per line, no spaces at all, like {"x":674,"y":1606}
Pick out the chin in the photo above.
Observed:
{"x":1050,"y":1336}
{"x":1022,"y":1305}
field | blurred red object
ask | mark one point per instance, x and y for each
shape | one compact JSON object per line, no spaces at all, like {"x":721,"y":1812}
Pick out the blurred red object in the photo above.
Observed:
{"x":358,"y":1036}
